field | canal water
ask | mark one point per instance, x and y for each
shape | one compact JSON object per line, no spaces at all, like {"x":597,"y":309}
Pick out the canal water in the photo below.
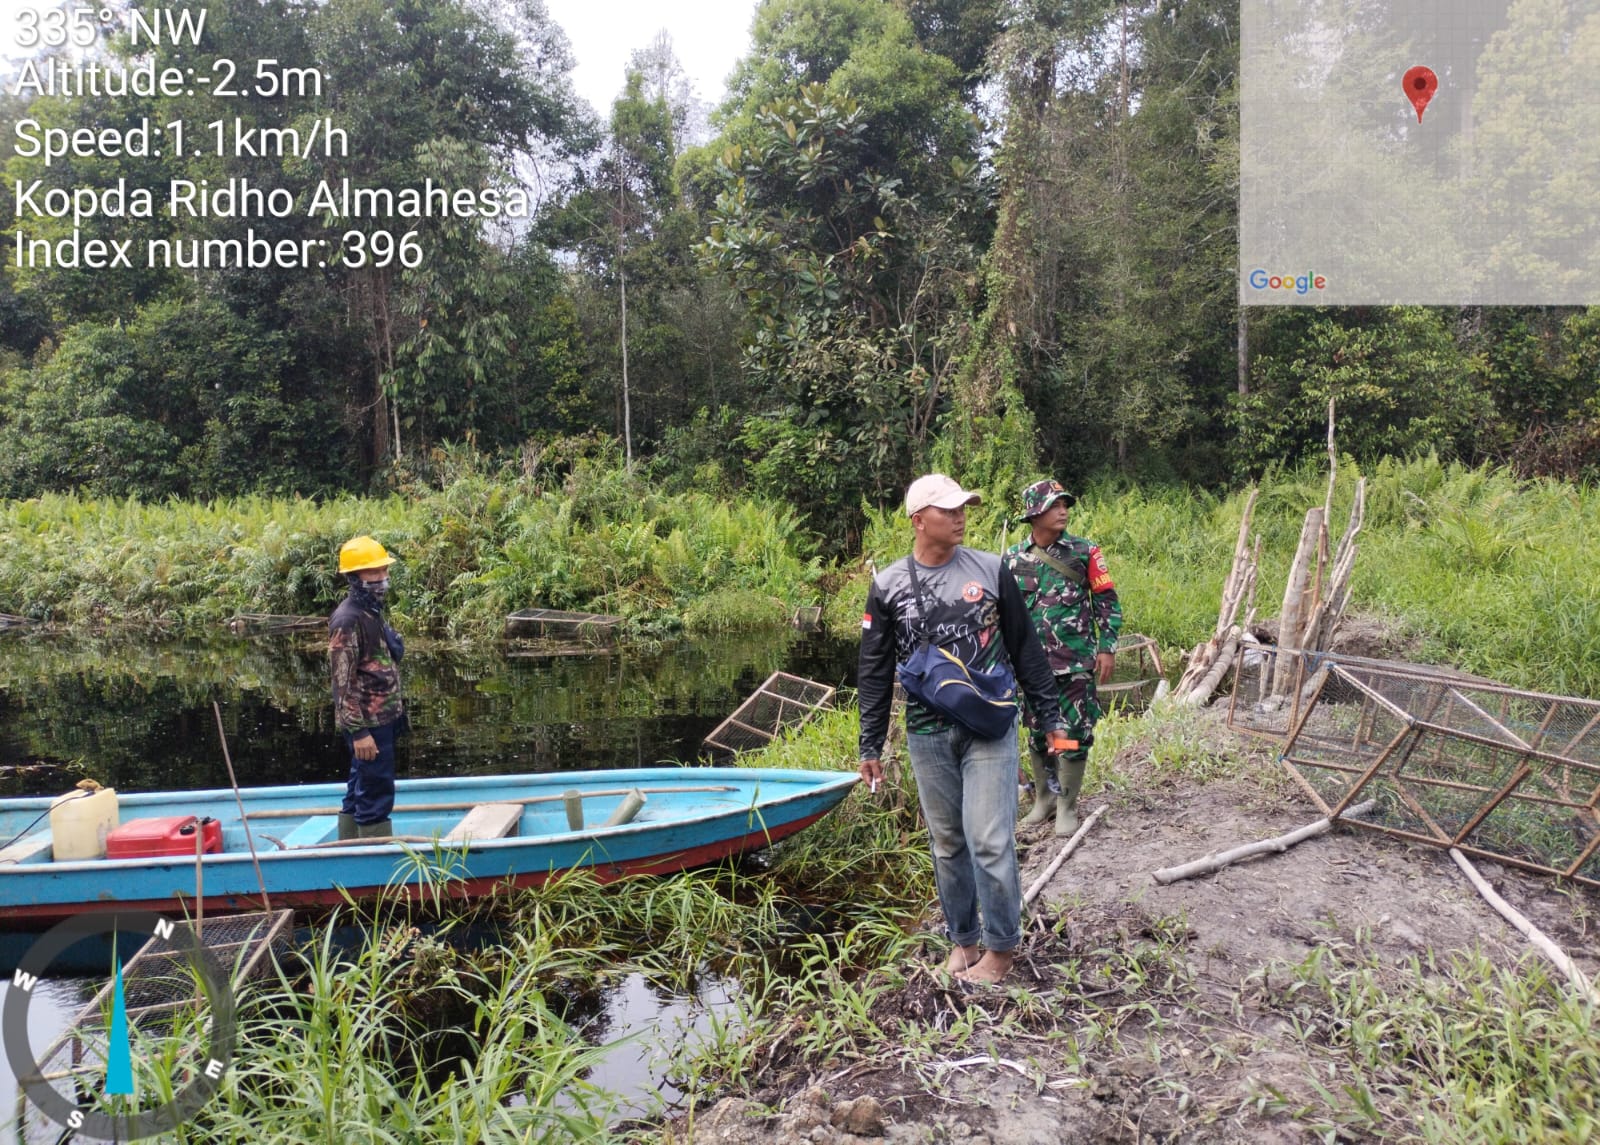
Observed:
{"x":137,"y":715}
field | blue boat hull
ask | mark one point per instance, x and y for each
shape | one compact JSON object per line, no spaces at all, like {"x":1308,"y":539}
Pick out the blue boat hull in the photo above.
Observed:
{"x":680,"y":827}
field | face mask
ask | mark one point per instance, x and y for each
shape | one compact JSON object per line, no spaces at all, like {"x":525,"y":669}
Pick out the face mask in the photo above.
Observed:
{"x":378,"y":588}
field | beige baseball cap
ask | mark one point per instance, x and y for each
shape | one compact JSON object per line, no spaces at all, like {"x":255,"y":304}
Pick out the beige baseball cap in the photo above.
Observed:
{"x":939,"y":491}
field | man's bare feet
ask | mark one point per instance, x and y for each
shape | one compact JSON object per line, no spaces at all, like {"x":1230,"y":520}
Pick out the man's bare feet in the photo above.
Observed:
{"x":990,"y":969}
{"x":962,"y":958}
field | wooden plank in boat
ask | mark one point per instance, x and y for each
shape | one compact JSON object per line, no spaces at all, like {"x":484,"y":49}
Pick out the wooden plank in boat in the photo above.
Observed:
{"x":487,"y":821}
{"x":314,"y":830}
{"x":32,"y":846}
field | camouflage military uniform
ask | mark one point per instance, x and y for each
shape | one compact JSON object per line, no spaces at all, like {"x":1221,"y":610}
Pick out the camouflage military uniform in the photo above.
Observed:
{"x":362,"y":654}
{"x":1076,"y":618}
{"x":364,"y":659}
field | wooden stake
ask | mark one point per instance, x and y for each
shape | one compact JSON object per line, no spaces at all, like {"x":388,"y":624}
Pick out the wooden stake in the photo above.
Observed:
{"x":1214,"y":862}
{"x":1516,"y":918}
{"x":1201,"y":692}
{"x":1055,"y":864}
{"x":1291,"y":622}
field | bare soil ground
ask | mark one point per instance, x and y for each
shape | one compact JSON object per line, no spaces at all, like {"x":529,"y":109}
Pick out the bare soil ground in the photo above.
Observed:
{"x":1145,"y":1013}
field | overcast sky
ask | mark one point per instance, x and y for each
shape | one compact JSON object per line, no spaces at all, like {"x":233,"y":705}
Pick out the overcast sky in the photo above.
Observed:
{"x":709,"y":36}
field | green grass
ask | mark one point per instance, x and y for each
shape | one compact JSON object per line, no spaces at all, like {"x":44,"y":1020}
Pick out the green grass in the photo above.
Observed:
{"x":403,"y":1040}
{"x":472,"y":550}
{"x":1494,"y":574}
{"x":1455,"y":1053}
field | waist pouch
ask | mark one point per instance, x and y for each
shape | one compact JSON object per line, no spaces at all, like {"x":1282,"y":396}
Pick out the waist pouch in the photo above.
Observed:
{"x":982,"y":701}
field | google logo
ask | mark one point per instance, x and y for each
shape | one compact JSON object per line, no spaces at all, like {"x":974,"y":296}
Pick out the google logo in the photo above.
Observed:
{"x":1300,"y":284}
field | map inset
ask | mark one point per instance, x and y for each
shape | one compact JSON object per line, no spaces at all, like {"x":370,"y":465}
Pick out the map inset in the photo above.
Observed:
{"x":1492,"y":198}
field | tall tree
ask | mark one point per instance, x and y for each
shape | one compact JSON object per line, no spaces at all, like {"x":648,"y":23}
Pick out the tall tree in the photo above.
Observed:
{"x":849,"y":220}
{"x":1109,"y":292}
{"x":632,"y":230}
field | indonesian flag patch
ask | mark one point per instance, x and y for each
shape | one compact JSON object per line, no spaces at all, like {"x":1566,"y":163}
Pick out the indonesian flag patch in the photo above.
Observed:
{"x":866,"y":620}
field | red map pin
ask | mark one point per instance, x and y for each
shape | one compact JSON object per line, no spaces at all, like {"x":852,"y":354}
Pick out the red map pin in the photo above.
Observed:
{"x":1420,"y":84}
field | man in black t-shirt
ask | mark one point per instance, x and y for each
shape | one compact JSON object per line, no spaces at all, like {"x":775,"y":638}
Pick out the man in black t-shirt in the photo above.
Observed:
{"x":967,"y":784}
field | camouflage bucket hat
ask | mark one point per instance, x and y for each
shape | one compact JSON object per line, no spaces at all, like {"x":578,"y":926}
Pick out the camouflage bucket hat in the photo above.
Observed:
{"x":1039,"y":496}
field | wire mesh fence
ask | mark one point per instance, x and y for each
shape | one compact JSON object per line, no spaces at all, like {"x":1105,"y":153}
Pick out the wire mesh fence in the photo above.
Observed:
{"x":1452,"y":760}
{"x":1138,"y":671}
{"x":783,"y":701}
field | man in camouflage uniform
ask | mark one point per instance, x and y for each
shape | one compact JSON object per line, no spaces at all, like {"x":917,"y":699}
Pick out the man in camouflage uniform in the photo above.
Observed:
{"x":364,"y":662}
{"x":1077,"y":615}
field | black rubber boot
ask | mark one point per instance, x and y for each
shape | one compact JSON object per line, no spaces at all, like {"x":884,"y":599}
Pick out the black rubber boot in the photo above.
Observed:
{"x":382,"y":829}
{"x":347,"y":826}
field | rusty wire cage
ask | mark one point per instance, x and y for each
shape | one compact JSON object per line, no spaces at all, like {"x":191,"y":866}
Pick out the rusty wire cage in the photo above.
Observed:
{"x":1138,"y":671}
{"x":1271,"y":685}
{"x":1253,"y":707}
{"x":783,"y":701}
{"x":1451,"y":760}
{"x":160,"y":990}
{"x":592,"y":627}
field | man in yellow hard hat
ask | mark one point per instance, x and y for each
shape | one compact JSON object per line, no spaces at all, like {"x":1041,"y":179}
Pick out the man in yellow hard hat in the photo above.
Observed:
{"x":364,"y":655}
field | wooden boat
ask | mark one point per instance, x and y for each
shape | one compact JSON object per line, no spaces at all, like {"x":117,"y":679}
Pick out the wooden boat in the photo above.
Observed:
{"x":488,"y":831}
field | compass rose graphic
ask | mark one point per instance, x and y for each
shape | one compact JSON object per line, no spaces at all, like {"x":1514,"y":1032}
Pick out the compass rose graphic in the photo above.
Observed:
{"x":89,"y":1119}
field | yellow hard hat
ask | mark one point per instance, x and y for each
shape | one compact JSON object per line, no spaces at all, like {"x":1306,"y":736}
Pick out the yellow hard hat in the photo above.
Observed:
{"x":363,"y":553}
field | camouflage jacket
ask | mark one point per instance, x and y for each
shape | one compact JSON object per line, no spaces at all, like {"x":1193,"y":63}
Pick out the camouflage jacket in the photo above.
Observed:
{"x":363,"y":662}
{"x":1074,"y":620}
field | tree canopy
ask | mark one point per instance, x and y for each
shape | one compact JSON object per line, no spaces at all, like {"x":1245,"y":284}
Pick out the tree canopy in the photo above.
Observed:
{"x":998,"y":236}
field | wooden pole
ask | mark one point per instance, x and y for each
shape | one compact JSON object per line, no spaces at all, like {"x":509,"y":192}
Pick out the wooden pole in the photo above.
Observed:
{"x":1055,"y":864}
{"x":1516,"y":918}
{"x":227,"y":757}
{"x":1201,"y":692}
{"x":1212,"y":863}
{"x":1291,"y":621}
{"x":303,"y":812}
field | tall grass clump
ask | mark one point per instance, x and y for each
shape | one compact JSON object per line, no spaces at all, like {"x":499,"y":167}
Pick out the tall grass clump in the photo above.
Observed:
{"x":1465,"y":1053}
{"x":1497,"y":573}
{"x":398,"y":1041}
{"x":471,"y":549}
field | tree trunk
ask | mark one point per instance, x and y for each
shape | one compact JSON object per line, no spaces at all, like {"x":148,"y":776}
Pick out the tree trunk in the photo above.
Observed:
{"x":1244,"y":351}
{"x":622,"y":278}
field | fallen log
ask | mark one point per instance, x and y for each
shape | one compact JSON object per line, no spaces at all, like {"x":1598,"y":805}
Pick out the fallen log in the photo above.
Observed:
{"x":1214,"y":862}
{"x":1055,"y":863}
{"x":1201,"y":692}
{"x":1541,"y":941}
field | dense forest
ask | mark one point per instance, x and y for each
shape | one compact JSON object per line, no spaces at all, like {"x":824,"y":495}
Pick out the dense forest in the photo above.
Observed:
{"x":991,"y":235}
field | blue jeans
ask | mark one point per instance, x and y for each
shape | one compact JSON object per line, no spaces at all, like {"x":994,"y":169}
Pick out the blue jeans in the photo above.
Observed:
{"x":968,"y":788}
{"x":369,"y":795}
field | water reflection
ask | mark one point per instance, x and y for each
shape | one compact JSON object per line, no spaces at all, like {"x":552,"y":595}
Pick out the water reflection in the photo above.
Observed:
{"x":645,"y":1024}
{"x":138,"y":714}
